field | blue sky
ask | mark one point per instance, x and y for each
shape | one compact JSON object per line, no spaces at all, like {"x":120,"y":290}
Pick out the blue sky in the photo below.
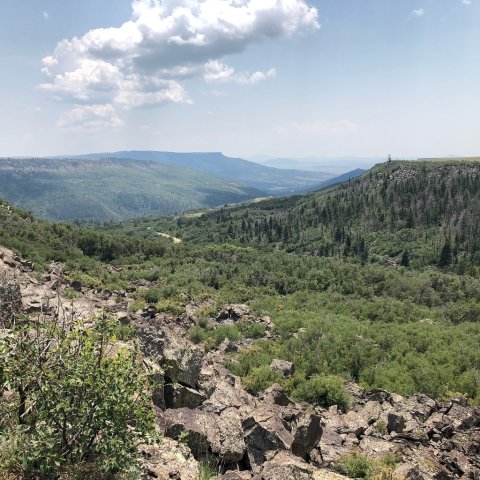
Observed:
{"x":273,"y":77}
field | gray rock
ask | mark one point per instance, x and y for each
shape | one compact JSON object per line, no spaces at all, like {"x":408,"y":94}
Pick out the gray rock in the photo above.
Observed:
{"x":207,"y":433}
{"x":76,"y":285}
{"x":396,"y":423}
{"x":307,"y":432}
{"x":287,"y":369}
{"x":276,"y":395}
{"x":370,"y":412}
{"x":169,"y":460}
{"x":180,"y":358}
{"x":462,"y":416}
{"x":180,"y":396}
{"x":232,"y":313}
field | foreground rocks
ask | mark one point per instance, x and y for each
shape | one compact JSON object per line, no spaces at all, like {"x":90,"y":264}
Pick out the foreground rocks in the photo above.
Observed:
{"x":207,"y":417}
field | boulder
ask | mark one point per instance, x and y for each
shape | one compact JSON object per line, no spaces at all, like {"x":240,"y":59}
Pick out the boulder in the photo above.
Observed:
{"x":232,"y":313}
{"x":370,"y":412}
{"x":307,"y":432}
{"x":374,"y":447}
{"x":462,"y":416}
{"x":207,"y":433}
{"x":285,"y":466}
{"x":287,"y":369}
{"x":354,"y":423}
{"x":236,"y":475}
{"x":419,"y":406}
{"x":330,"y":449}
{"x":169,"y":460}
{"x":180,"y":396}
{"x":460,"y":463}
{"x":276,"y":395}
{"x":395,"y":423}
{"x":265,"y":431}
{"x":210,"y":375}
{"x":419,"y":462}
{"x":270,"y":428}
{"x":180,"y":358}
{"x":229,"y":393}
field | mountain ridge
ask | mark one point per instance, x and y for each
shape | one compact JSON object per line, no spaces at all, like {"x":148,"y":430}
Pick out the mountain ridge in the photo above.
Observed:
{"x":272,"y":180}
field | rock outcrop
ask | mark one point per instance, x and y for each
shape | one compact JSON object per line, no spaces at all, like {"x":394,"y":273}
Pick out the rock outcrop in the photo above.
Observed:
{"x":206,"y":415}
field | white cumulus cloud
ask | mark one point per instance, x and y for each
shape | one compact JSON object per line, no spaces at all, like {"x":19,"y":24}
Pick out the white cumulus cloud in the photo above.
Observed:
{"x":147,"y":59}
{"x":217,"y":72}
{"x":90,"y":118}
{"x":419,"y":12}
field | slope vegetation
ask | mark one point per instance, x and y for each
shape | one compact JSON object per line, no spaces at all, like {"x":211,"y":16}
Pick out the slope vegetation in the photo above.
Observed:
{"x":406,"y":212}
{"x":61,"y":189}
{"x":272,"y":180}
{"x":376,"y":280}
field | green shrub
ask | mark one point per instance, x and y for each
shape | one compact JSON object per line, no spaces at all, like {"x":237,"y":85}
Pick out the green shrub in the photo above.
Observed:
{"x":261,"y":378}
{"x":358,"y":465}
{"x":206,"y":471}
{"x":253,"y":330}
{"x":153,"y":295}
{"x":323,"y":390}
{"x":355,"y":465}
{"x":75,"y":397}
{"x":196,"y":334}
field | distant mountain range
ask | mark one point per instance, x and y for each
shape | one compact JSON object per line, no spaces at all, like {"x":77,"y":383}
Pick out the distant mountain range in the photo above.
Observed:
{"x":120,"y":185}
{"x":275,"y":181}
{"x":327,"y":165}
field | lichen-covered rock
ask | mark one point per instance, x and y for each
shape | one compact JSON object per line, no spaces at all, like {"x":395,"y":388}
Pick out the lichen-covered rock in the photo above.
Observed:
{"x":285,"y":466}
{"x":180,"y":358}
{"x":231,"y":313}
{"x":307,"y":432}
{"x":229,"y":393}
{"x":207,"y":433}
{"x":169,"y":460}
{"x":180,"y":396}
{"x":276,"y":395}
{"x":287,"y":369}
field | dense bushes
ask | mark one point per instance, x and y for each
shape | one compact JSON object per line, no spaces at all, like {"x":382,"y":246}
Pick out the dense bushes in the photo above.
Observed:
{"x":357,"y":465}
{"x":325,"y":391}
{"x":74,"y":399}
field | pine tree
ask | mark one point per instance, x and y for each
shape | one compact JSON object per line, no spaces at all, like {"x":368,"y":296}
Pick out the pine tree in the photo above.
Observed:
{"x":445,"y":255}
{"x":405,"y":261}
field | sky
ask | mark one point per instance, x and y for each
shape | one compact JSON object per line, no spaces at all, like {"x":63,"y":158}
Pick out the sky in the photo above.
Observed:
{"x":288,"y":78}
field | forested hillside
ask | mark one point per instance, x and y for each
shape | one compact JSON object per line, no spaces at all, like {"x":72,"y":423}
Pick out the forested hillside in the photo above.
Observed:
{"x":378,"y":277}
{"x":413,"y":213}
{"x":113,"y":189}
{"x":275,"y":181}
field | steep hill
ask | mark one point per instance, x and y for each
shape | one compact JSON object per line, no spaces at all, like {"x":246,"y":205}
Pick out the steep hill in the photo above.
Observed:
{"x":409,"y":210}
{"x":66,"y":189}
{"x":272,"y":180}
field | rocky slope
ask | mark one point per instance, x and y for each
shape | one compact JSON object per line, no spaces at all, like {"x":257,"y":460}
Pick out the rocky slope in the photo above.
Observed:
{"x":207,"y":416}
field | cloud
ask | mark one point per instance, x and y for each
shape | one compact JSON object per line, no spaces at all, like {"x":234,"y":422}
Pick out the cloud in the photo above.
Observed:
{"x":147,"y":59}
{"x":45,"y":15}
{"x":217,"y":72}
{"x":419,"y":12}
{"x":322,"y":128}
{"x":467,"y":2}
{"x":90,"y":118}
